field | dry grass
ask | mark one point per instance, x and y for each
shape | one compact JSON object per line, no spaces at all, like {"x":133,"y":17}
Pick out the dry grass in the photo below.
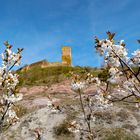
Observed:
{"x":123,"y":115}
{"x":61,"y":132}
{"x":118,"y":134}
{"x":20,"y":110}
{"x":104,"y":116}
{"x":129,"y":127}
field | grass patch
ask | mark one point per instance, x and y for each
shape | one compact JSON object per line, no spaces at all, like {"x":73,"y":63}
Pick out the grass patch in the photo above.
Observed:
{"x":61,"y":132}
{"x":50,"y":75}
{"x":20,"y":110}
{"x":62,"y":129}
{"x":119,"y":134}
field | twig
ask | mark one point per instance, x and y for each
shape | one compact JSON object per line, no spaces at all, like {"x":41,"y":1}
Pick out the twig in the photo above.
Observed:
{"x":2,"y":118}
{"x":136,"y":76}
{"x":88,"y":122}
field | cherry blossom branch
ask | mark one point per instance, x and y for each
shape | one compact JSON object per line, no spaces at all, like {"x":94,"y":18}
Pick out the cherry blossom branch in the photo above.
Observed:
{"x":9,"y":83}
{"x":85,"y":116}
{"x":126,"y":65}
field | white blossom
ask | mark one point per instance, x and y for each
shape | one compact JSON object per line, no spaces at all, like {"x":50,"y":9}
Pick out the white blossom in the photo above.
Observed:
{"x":8,"y":82}
{"x":9,"y":51}
{"x":97,"y":80}
{"x":101,"y":102}
{"x":137,"y":105}
{"x":113,"y":71}
{"x":11,"y":114}
{"x":136,"y":57}
{"x":136,"y":53}
{"x":78,"y":85}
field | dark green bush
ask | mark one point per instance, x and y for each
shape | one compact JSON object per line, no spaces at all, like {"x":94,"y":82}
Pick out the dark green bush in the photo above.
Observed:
{"x":103,"y":75}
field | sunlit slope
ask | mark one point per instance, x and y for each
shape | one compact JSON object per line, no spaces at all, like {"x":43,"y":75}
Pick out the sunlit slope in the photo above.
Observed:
{"x":37,"y":75}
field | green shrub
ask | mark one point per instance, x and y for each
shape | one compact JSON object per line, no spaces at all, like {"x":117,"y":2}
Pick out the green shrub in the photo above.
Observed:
{"x":104,"y":75}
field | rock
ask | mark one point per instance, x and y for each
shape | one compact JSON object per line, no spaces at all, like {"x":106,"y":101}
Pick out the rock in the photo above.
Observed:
{"x":33,"y":89}
{"x":42,"y":119}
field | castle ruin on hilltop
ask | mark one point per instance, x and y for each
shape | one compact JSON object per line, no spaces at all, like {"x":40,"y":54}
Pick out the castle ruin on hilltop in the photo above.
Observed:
{"x":66,"y":55}
{"x":66,"y":60}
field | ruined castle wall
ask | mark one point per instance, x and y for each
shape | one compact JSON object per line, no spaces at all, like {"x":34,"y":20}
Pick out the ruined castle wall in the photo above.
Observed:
{"x":66,"y":55}
{"x":66,"y":61}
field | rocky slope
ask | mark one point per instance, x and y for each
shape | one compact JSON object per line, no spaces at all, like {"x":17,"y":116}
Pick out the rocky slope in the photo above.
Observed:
{"x":40,"y":117}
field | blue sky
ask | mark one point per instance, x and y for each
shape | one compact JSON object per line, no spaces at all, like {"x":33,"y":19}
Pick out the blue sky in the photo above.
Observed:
{"x":42,"y":27}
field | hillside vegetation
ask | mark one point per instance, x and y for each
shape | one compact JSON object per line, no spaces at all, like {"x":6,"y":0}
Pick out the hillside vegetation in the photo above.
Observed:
{"x":37,"y":75}
{"x":50,"y":75}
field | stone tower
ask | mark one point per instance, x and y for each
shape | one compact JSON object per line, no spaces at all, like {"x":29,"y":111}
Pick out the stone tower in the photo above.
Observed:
{"x":66,"y":55}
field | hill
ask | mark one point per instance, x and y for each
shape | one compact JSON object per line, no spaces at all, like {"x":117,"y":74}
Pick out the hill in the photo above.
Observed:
{"x":50,"y":106}
{"x":38,"y":75}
